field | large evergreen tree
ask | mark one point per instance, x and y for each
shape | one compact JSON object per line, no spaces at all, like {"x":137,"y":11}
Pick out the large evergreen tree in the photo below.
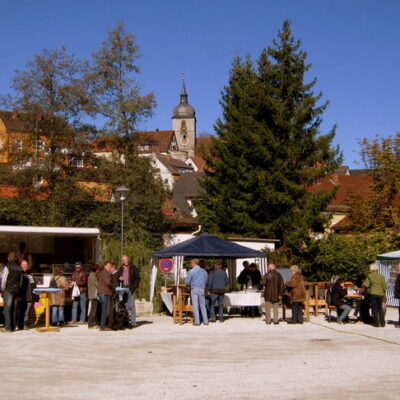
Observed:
{"x":269,"y":150}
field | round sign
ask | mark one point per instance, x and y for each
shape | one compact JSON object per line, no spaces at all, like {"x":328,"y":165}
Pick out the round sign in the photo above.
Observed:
{"x":166,"y":265}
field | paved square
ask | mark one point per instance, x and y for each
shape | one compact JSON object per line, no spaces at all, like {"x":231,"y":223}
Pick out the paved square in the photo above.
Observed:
{"x":240,"y":359}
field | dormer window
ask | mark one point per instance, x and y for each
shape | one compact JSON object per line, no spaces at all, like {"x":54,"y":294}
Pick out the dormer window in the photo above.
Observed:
{"x":40,"y":145}
{"x":75,"y":161}
{"x":18,"y":144}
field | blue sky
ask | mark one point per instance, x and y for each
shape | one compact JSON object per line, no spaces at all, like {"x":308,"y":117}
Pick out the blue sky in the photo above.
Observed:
{"x":353,"y":47}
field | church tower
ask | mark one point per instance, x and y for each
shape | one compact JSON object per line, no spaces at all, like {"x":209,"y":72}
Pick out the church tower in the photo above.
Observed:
{"x":184,"y":125}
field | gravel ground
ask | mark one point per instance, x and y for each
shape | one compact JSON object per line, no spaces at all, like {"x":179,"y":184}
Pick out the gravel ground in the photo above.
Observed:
{"x":242,"y":359}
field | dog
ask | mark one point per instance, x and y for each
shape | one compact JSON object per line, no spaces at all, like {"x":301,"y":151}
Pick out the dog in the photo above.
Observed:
{"x":121,"y":316}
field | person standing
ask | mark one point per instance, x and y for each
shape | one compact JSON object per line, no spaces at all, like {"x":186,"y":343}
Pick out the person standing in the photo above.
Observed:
{"x":23,"y":254}
{"x":197,"y":279}
{"x":10,"y":286}
{"x":338,"y":300}
{"x":27,"y":297}
{"x":105,"y":292}
{"x":217,"y":280}
{"x":298,"y":294}
{"x":79,"y":278}
{"x":129,"y":276}
{"x":92,"y":296}
{"x":273,"y":292}
{"x":58,"y":299}
{"x":255,"y":276}
{"x":397,"y":291}
{"x":376,"y":286}
{"x":244,"y":276}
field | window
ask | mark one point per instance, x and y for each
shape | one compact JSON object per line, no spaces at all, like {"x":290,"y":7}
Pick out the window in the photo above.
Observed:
{"x":75,"y":161}
{"x":144,"y":147}
{"x":40,"y":181}
{"x":18,"y":144}
{"x":40,"y":145}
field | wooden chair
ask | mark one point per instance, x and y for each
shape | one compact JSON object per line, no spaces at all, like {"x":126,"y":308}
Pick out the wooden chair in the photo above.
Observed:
{"x":316,"y":300}
{"x":180,"y":305}
{"x":328,"y":300}
{"x":330,"y":308}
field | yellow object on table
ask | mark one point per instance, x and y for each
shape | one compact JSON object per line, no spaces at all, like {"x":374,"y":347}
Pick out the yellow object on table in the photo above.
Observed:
{"x":45,"y":299}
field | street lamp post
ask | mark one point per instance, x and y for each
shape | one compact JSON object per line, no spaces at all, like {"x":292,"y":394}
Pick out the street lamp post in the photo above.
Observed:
{"x":121,"y":194}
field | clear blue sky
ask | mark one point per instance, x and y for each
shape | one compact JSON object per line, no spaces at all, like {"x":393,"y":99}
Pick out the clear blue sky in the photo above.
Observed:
{"x":352,"y":45}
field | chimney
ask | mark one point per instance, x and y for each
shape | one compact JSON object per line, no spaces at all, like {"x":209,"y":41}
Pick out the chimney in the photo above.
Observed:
{"x":334,"y":179}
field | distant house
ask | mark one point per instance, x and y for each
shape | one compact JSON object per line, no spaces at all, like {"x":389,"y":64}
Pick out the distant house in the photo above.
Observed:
{"x":170,"y":169}
{"x":197,"y":163}
{"x":347,"y":185}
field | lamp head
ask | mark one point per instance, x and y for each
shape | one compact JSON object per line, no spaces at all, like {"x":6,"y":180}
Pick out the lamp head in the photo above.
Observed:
{"x":121,"y":193}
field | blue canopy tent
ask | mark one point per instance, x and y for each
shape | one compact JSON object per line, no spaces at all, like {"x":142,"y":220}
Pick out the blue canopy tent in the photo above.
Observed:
{"x":387,"y":263}
{"x":206,"y":246}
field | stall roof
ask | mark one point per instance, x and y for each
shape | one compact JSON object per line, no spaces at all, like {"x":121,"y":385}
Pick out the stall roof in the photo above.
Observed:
{"x":207,"y":245}
{"x":393,"y":255}
{"x":47,"y":230}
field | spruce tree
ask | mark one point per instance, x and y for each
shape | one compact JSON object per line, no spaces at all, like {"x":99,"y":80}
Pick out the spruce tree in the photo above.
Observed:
{"x":269,"y":150}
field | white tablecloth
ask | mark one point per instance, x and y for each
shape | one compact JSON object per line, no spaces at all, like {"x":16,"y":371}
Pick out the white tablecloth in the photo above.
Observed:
{"x":242,"y":299}
{"x":167,"y":300}
{"x":230,"y":300}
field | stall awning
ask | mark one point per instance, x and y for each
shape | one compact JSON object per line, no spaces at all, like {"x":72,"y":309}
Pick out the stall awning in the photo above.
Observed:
{"x":47,"y":230}
{"x":207,"y":245}
{"x":393,"y":255}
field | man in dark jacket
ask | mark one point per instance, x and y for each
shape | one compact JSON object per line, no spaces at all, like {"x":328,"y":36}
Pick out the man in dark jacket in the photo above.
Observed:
{"x":255,"y":276}
{"x":11,"y":286}
{"x":80,"y":278}
{"x":217,"y":280}
{"x":105,"y":290}
{"x":274,"y":288}
{"x":397,"y":291}
{"x":245,"y":275}
{"x":26,"y":296}
{"x":129,"y":276}
{"x":338,"y":300}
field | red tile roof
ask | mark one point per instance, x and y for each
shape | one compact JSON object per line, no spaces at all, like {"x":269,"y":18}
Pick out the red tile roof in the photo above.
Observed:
{"x":9,"y":192}
{"x":157,"y":142}
{"x":203,"y":145}
{"x":12,"y":192}
{"x":200,"y":162}
{"x":347,"y":185}
{"x":12,"y":122}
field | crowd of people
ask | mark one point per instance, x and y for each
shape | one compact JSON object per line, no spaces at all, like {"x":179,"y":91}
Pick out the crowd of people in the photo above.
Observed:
{"x":93,"y":295}
{"x":209,"y":286}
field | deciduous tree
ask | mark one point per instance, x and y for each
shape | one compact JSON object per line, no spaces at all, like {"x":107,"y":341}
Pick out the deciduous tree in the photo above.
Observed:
{"x":117,"y":98}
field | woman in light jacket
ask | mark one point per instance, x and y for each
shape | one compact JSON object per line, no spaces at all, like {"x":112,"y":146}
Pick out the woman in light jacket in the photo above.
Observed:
{"x":58,"y":299}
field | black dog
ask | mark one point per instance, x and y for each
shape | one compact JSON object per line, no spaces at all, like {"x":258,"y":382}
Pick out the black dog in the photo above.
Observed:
{"x":121,"y":316}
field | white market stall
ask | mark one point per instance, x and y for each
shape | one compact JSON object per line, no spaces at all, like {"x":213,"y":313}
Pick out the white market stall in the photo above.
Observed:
{"x":205,"y":246}
{"x":387,"y":266}
{"x":48,"y":246}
